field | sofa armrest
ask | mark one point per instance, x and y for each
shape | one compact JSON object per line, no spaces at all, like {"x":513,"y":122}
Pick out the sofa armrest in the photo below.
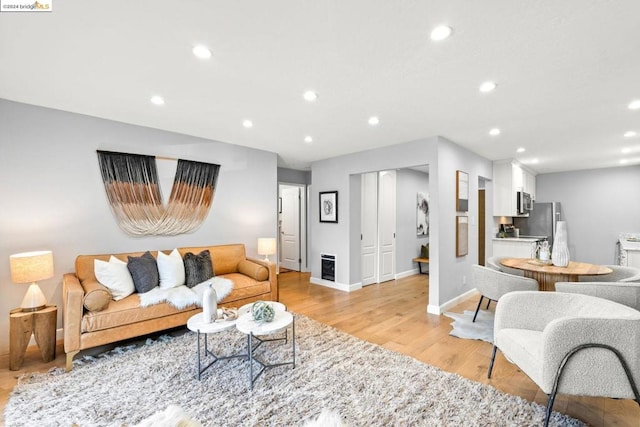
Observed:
{"x":273,"y":277}
{"x":72,"y":311}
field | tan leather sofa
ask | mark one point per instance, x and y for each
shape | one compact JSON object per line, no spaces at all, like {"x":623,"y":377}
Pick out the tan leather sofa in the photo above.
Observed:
{"x":125,"y":319}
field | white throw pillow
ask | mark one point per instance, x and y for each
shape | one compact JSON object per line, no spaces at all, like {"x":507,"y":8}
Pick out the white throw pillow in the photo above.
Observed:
{"x":171,"y":269}
{"x":115,"y":276}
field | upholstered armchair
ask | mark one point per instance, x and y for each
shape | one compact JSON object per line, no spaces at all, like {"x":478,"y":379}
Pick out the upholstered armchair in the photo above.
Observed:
{"x":619,"y":273}
{"x":493,"y":284}
{"x":494,"y":263}
{"x":570,"y":343}
{"x":627,"y":293}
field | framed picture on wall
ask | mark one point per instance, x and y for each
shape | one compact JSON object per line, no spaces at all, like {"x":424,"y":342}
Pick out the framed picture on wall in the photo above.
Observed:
{"x":422,"y":214}
{"x":328,"y":206}
{"x":462,"y":191}
{"x":462,"y":235}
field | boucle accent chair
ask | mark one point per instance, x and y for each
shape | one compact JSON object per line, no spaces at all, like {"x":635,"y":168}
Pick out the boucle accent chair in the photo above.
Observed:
{"x":570,"y":343}
{"x":493,"y":284}
{"x":627,"y":293}
{"x":620,"y":273}
{"x":494,"y":263}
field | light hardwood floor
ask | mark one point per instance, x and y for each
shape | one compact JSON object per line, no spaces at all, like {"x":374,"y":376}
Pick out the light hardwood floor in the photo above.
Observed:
{"x":393,"y":315}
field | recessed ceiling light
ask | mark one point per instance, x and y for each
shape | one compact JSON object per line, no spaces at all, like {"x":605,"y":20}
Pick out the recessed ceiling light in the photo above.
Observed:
{"x":157,"y":100}
{"x":247,"y":123}
{"x":201,"y":51}
{"x":310,"y":96}
{"x":623,"y":161}
{"x":308,"y":139}
{"x":626,"y":150}
{"x":634,"y":105}
{"x":630,"y":134}
{"x":374,"y":120}
{"x":521,"y":150}
{"x":441,"y":32}
{"x":494,"y":132}
{"x":487,"y":86}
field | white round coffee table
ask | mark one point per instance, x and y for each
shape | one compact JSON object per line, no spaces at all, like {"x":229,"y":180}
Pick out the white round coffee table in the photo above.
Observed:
{"x":254,"y":330}
{"x":197,"y":325}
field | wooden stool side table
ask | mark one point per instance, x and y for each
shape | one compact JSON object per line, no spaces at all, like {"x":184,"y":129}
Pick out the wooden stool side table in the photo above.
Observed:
{"x":42,"y":323}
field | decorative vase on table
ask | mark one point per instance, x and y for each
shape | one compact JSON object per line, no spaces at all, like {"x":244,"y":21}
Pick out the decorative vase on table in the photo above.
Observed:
{"x":209,"y":304}
{"x":560,"y":251}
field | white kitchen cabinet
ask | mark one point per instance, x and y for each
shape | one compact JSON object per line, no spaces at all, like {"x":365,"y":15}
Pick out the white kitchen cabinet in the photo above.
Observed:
{"x":530,"y":183}
{"x":514,"y":247}
{"x":509,"y":177}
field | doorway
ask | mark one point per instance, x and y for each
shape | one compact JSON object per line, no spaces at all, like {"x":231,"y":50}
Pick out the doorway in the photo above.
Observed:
{"x":291,"y":227}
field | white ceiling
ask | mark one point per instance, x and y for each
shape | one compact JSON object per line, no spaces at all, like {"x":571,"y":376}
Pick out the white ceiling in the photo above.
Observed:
{"x":566,"y":71}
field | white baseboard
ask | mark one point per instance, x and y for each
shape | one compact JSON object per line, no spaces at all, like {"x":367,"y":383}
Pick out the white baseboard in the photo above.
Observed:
{"x":435,"y":309}
{"x":407,"y":273}
{"x":336,"y":285}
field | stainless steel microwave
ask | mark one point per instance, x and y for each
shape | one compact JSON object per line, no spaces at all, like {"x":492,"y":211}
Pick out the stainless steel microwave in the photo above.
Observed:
{"x":525,"y":203}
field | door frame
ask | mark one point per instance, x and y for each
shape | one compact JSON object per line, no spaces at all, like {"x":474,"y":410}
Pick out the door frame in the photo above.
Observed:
{"x":304,"y":267}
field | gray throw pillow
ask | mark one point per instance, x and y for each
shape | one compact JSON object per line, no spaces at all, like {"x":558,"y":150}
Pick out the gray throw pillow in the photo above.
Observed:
{"x":144,"y":272}
{"x":197,"y":268}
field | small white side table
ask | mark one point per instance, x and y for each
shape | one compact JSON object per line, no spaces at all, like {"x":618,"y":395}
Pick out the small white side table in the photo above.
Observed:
{"x":281,"y":321}
{"x":196,"y":324}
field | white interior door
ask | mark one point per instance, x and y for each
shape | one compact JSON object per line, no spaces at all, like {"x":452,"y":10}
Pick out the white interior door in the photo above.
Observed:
{"x":369,"y":228}
{"x":386,"y":225}
{"x":290,"y":256}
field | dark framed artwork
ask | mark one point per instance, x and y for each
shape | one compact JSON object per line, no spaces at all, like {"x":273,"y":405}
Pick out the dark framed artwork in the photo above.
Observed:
{"x":328,"y":206}
{"x":462,"y":235}
{"x":462,"y":191}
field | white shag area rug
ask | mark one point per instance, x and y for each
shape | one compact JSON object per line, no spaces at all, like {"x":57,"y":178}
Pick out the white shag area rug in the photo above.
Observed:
{"x":464,"y":326}
{"x":364,"y":383}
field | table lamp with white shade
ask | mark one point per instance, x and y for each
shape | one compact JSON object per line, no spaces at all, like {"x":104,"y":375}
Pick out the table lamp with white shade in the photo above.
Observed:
{"x":29,"y":267}
{"x":266,"y":247}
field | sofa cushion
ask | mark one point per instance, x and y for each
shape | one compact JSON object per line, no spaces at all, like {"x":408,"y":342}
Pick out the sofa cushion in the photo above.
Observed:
{"x":144,"y":272}
{"x":96,"y":296}
{"x":253,"y":270}
{"x":126,"y":312}
{"x":197,"y":268}
{"x":244,"y":287}
{"x":115,"y":276}
{"x":170,"y":269}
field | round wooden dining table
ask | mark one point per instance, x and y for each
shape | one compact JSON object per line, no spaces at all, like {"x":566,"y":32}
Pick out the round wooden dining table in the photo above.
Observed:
{"x":548,"y":275}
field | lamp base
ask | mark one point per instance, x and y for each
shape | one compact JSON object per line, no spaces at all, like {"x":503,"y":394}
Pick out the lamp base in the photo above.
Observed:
{"x":266,"y":258}
{"x":32,"y":309}
{"x":34,"y":299}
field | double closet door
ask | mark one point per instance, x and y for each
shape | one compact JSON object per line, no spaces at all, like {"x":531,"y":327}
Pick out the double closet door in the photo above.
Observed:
{"x":378,"y":227}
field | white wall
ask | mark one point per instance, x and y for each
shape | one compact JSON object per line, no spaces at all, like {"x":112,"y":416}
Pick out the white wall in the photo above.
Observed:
{"x":597,"y":204}
{"x":53,"y":196}
{"x":443,"y":158}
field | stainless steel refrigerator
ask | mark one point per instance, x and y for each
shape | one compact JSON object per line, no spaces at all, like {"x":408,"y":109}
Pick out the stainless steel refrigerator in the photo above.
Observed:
{"x":541,"y":221}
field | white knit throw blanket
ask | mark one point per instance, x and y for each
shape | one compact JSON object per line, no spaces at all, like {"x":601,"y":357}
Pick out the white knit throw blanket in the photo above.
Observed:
{"x":181,"y":296}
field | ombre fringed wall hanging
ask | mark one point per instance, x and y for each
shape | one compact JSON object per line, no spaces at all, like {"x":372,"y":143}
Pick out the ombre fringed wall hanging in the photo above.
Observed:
{"x":133,"y":191}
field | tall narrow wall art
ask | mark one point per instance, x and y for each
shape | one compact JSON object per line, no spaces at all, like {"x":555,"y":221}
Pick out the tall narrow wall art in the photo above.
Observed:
{"x":422,"y":214}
